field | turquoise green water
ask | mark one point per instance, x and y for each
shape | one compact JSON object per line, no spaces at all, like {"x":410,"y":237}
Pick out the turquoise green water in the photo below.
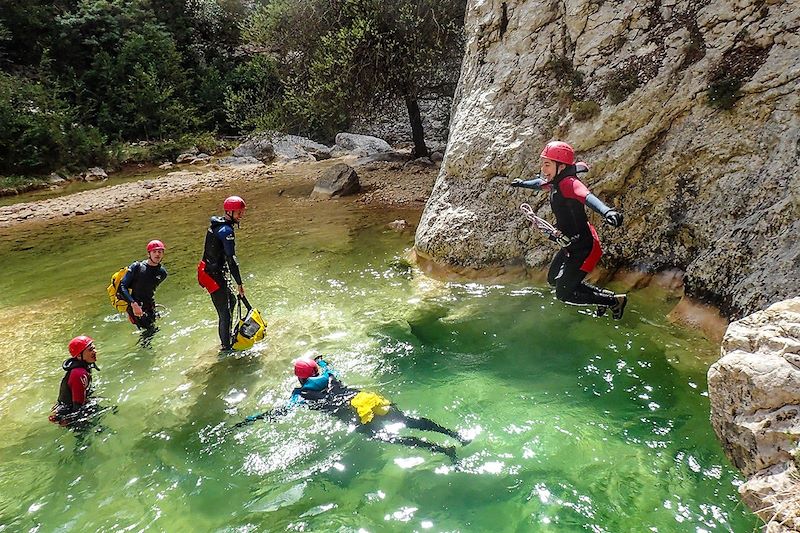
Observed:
{"x":579,"y":424}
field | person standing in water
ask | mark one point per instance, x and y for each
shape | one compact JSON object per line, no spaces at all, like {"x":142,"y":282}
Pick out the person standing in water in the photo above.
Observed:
{"x":581,"y":249}
{"x":219,"y":262}
{"x":320,"y":389}
{"x":72,"y":406}
{"x":139,"y":284}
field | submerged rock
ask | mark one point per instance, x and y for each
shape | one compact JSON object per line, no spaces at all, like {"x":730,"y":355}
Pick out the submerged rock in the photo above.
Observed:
{"x":755,"y":410}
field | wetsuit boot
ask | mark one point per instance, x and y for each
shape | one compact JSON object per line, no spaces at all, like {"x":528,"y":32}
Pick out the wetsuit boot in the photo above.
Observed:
{"x":618,"y":308}
{"x":601,"y":309}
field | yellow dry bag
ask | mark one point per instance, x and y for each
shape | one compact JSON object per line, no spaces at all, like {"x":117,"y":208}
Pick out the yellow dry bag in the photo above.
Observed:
{"x":250,"y":329}
{"x":369,"y":404}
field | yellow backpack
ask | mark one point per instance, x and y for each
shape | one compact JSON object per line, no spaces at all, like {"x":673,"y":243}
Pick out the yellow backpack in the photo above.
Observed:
{"x":119,"y":304}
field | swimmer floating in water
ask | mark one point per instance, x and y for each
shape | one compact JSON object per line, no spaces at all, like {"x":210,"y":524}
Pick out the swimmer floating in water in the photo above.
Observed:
{"x":320,"y":389}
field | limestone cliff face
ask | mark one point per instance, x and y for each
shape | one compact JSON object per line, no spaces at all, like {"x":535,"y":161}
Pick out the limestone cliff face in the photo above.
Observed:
{"x":688,"y":113}
{"x":755,"y":410}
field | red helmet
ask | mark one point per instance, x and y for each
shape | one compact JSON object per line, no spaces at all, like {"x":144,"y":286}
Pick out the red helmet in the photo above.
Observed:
{"x":79,"y":344}
{"x":233,"y":203}
{"x":155,"y":244}
{"x":559,"y":151}
{"x":305,"y":368}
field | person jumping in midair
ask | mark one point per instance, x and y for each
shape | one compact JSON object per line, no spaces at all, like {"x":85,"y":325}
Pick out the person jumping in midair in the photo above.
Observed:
{"x":580,"y":250}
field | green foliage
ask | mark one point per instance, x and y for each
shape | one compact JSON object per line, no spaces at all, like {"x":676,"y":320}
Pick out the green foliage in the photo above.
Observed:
{"x":122,"y":69}
{"x":620,"y":84}
{"x":338,"y":58}
{"x":166,"y":150}
{"x":39,"y":133}
{"x":254,"y":96}
{"x":16,"y":184}
{"x":724,"y":92}
{"x":565,"y":73}
{"x":585,"y":110}
{"x":735,"y":67}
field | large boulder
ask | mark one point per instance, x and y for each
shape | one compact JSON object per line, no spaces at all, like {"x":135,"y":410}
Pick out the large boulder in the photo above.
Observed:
{"x":282,"y":147}
{"x":95,"y":174}
{"x":687,"y":112}
{"x":755,"y":409}
{"x":338,"y":180}
{"x":259,"y":147}
{"x":233,"y":161}
{"x":361,"y":145}
{"x":296,"y":148}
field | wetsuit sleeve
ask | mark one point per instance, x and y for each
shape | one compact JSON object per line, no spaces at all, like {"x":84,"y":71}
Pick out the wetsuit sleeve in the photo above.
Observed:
{"x":535,"y":184}
{"x":227,"y":237}
{"x":597,"y":205}
{"x":78,"y":385}
{"x":317,"y":383}
{"x":127,"y":281}
{"x":163,"y":276}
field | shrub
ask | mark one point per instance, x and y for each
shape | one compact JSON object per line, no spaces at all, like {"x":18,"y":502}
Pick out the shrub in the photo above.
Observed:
{"x":585,"y":110}
{"x":39,"y":132}
{"x":564,"y":72}
{"x":620,"y":84}
{"x":735,"y":67}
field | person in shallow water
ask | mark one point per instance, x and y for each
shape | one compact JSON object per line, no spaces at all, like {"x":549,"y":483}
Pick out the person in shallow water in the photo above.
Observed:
{"x":219,"y":262}
{"x":139,"y":284}
{"x":580,"y":250}
{"x":320,"y":389}
{"x":73,"y":404}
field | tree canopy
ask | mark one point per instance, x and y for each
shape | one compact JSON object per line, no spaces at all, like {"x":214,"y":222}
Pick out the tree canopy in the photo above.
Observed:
{"x":79,"y":75}
{"x":344,"y":56}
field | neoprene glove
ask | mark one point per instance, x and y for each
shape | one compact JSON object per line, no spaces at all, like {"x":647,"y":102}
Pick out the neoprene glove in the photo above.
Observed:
{"x":517,"y":183}
{"x":614,"y":218}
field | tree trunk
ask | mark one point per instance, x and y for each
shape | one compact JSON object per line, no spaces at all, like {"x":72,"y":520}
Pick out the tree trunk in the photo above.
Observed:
{"x":417,"y":133}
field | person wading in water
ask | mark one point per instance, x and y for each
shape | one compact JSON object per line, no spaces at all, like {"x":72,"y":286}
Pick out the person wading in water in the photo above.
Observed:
{"x":138,"y":287}
{"x":219,"y":261}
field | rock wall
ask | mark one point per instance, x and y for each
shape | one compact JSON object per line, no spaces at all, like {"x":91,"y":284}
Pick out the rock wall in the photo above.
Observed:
{"x":755,"y":410}
{"x":688,"y":113}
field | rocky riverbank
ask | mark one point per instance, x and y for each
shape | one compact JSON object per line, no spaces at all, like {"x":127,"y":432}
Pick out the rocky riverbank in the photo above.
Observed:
{"x":394,"y":183}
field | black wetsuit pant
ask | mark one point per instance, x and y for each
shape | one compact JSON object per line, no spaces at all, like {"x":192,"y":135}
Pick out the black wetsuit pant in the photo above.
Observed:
{"x":375,"y":429}
{"x":224,"y":301}
{"x":566,"y":276}
{"x":148,"y":320}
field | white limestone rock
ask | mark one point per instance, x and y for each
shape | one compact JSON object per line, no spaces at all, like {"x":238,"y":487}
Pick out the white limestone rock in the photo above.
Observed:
{"x":710,"y":191}
{"x":755,"y":409}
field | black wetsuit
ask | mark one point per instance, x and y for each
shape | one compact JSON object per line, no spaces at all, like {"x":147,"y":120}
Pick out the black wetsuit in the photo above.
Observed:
{"x":334,"y":398}
{"x":139,"y":284}
{"x":571,"y":264}
{"x":74,"y":391}
{"x":219,"y":254}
